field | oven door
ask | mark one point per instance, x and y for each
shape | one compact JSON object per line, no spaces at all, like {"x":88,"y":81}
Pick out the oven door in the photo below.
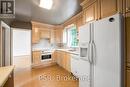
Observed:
{"x":45,"y":57}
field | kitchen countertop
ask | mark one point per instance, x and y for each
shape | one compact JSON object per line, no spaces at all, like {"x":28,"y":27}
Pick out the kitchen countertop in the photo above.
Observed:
{"x":65,"y":50}
{"x":4,"y":74}
{"x":68,"y":50}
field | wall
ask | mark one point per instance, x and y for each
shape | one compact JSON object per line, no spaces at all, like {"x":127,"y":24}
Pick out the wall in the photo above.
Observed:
{"x":21,"y":24}
{"x":21,"y":42}
{"x":44,"y":44}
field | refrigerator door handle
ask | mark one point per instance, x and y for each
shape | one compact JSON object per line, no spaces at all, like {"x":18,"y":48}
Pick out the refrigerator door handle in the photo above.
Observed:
{"x":94,"y":52}
{"x":90,"y":53}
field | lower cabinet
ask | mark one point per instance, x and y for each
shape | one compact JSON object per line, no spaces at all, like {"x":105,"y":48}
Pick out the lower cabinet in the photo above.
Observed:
{"x":36,"y":57}
{"x":63,"y":60}
{"x":68,"y":62}
{"x":10,"y":81}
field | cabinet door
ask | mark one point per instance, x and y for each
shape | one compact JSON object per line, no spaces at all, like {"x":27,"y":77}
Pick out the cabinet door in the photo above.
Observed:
{"x":58,"y":34}
{"x":59,"y":59}
{"x":108,"y":7}
{"x":36,"y":57}
{"x":128,"y":78}
{"x":79,"y":21}
{"x":90,"y":13}
{"x":35,"y":35}
{"x":68,"y":62}
{"x":127,"y":5}
{"x":62,"y":57}
{"x":45,"y":33}
{"x":52,"y":39}
{"x":128,"y":37}
{"x":10,"y":81}
{"x":54,"y":56}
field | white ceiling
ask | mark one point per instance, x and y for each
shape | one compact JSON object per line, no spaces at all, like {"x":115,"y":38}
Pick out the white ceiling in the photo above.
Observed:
{"x":27,"y":10}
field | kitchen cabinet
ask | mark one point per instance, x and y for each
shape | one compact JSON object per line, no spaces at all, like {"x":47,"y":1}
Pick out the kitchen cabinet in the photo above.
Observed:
{"x":53,"y":38}
{"x":35,"y":35}
{"x":90,"y":13}
{"x":10,"y":81}
{"x":127,"y":8}
{"x":109,"y":7}
{"x":127,"y":21}
{"x":54,"y":56}
{"x":89,"y":10}
{"x":127,"y":30}
{"x":45,"y":33}
{"x":79,"y":20}
{"x":63,"y":59}
{"x":36,"y":57}
{"x":128,"y":78}
{"x":68,"y":62}
{"x":59,"y":35}
{"x":58,"y":59}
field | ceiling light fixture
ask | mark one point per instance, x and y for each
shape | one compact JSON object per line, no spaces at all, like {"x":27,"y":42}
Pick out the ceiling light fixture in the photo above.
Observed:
{"x":47,"y":4}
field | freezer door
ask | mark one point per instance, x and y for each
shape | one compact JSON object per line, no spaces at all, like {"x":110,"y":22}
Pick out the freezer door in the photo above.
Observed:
{"x":109,"y":52}
{"x":84,"y":39}
{"x":84,"y":34}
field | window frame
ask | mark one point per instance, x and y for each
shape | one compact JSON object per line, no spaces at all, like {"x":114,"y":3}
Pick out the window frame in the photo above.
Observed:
{"x":65,"y":33}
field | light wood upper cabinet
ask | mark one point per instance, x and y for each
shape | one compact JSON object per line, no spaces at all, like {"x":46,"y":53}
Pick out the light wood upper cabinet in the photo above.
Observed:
{"x":79,"y":20}
{"x":89,"y":10}
{"x":90,"y":13}
{"x":52,"y":39}
{"x":58,"y":35}
{"x":35,"y":35}
{"x":45,"y":33}
{"x":109,"y":7}
{"x":127,"y":8}
{"x":36,"y":57}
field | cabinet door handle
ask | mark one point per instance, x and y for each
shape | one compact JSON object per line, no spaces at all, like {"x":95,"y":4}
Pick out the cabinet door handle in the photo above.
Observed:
{"x":128,"y":9}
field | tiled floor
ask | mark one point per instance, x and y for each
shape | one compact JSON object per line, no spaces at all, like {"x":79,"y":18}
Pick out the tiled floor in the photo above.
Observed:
{"x":53,"y":76}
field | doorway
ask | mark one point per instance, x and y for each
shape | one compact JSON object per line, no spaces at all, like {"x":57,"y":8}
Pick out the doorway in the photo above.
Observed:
{"x":21,"y":44}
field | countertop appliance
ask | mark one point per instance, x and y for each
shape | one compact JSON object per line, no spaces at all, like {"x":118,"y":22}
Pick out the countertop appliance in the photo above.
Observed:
{"x":102,"y":48}
{"x":5,"y":44}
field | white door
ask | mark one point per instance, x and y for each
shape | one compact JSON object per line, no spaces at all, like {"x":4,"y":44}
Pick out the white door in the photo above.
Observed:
{"x":107,"y":38}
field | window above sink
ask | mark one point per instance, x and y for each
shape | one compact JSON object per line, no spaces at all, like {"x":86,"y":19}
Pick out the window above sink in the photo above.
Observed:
{"x":70,"y":36}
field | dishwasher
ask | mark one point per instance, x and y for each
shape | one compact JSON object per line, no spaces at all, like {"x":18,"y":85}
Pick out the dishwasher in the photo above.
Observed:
{"x":81,"y":69}
{"x":74,"y":64}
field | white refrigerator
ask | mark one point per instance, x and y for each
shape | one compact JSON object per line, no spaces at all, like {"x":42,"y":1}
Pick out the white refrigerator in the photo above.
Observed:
{"x":102,"y":47}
